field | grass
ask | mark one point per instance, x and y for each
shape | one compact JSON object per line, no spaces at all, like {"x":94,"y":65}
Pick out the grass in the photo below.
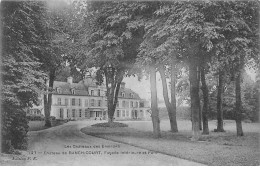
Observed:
{"x":36,"y":125}
{"x":40,"y":125}
{"x":214,"y":149}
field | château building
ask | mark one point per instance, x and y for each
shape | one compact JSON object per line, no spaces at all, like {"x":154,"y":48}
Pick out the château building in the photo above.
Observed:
{"x":87,"y":100}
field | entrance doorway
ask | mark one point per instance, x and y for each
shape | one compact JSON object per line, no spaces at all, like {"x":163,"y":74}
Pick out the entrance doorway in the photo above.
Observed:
{"x":95,"y":114}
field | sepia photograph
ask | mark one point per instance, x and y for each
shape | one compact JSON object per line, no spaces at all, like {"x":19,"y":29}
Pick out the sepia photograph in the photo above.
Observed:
{"x":130,"y":83}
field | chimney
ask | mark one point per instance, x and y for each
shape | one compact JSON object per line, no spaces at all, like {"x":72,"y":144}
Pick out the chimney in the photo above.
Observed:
{"x":70,"y":80}
{"x":123,"y":85}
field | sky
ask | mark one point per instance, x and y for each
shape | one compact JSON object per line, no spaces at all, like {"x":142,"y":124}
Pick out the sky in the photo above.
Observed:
{"x":143,"y":87}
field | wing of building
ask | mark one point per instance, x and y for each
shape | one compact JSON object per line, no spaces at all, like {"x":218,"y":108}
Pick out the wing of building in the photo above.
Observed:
{"x":87,"y":100}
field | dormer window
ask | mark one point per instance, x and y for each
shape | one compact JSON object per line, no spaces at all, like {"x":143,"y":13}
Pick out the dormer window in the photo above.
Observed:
{"x":131,"y":95}
{"x":123,"y":94}
{"x":92,"y":92}
{"x":73,"y":91}
{"x":59,"y":90}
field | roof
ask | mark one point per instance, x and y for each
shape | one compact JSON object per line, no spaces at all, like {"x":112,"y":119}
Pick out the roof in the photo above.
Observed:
{"x":81,"y":89}
{"x":66,"y":88}
{"x":127,"y":93}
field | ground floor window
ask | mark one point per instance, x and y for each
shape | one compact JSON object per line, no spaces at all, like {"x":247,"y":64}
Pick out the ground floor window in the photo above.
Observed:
{"x":118,"y":113}
{"x":61,"y":113}
{"x":73,"y":112}
{"x":79,"y":112}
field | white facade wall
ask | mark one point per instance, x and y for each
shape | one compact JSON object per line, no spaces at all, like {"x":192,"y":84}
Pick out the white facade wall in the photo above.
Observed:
{"x":94,"y":106}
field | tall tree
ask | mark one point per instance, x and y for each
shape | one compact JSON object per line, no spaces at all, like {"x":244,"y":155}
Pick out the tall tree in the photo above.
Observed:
{"x":154,"y":104}
{"x":59,"y":23}
{"x":22,"y":76}
{"x":220,"y":127}
{"x":113,"y":34}
{"x":205,"y":108}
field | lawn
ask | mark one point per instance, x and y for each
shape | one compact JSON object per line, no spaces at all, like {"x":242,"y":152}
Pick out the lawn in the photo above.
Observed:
{"x":215,"y":149}
{"x":36,"y":125}
{"x":39,"y":125}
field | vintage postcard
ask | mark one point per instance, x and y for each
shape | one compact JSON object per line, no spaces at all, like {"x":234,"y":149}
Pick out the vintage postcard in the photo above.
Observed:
{"x":130,"y":83}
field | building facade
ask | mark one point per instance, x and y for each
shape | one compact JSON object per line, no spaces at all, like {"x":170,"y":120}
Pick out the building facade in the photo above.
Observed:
{"x":86,"y":100}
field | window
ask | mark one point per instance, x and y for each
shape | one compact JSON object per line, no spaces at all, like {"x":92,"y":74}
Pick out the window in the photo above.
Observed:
{"x":123,"y":113}
{"x":73,"y":102}
{"x":68,"y":111}
{"x":131,"y":95}
{"x":73,"y":112}
{"x":141,"y":113}
{"x":97,"y":113}
{"x":86,"y":103}
{"x":59,"y":90}
{"x":99,"y":103}
{"x":127,"y":113}
{"x":117,"y":104}
{"x":79,"y":112}
{"x":79,"y":102}
{"x":141,"y":104}
{"x":86,"y":112}
{"x":73,"y":91}
{"x":132,"y":104}
{"x":118,"y":113}
{"x":123,"y":94}
{"x":66,"y":102}
{"x":59,"y":101}
{"x":92,"y":92}
{"x":123,"y":104}
{"x":92,"y":102}
{"x":136,"y":104}
{"x":98,"y":92}
{"x":61,"y":113}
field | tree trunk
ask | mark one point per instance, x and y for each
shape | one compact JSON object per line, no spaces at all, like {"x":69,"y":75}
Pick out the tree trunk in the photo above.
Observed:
{"x":220,"y":127}
{"x":200,"y":113}
{"x":48,"y":99}
{"x":112,"y":91}
{"x":205,"y":108}
{"x":195,"y":100}
{"x":238,"y":114}
{"x":46,"y":112}
{"x":200,"y":121}
{"x":173,"y":95}
{"x":154,"y":105}
{"x":169,"y":106}
{"x":116,"y":96}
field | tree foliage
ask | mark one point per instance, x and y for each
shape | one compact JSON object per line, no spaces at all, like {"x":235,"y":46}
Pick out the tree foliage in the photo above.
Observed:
{"x":22,"y":76}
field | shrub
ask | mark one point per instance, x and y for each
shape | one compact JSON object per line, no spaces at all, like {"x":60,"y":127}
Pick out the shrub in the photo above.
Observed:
{"x":114,"y":124}
{"x":14,"y":130}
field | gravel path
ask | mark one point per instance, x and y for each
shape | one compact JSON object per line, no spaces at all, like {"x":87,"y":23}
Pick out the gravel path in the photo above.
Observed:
{"x":67,"y":145}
